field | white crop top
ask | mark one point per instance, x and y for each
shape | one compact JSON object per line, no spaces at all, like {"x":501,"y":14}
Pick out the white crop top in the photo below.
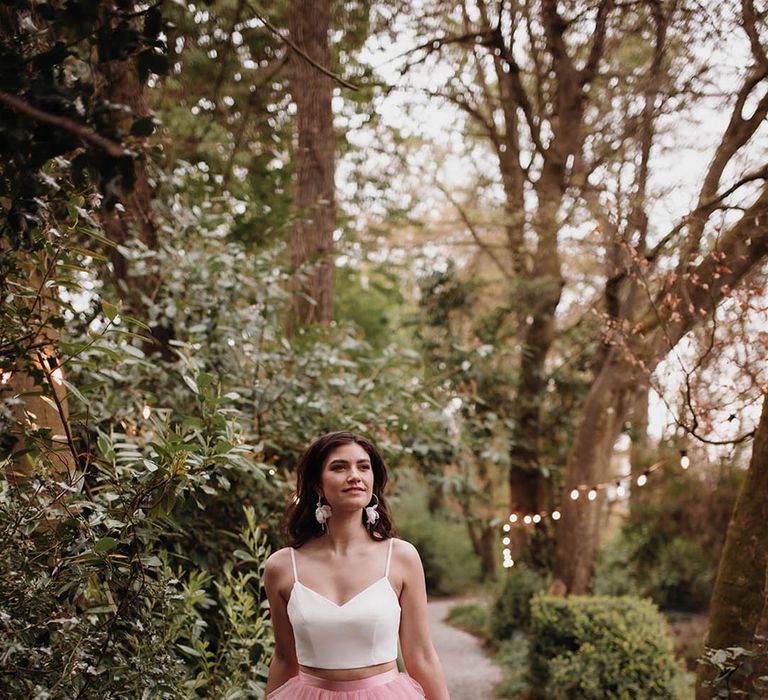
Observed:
{"x":361,"y":632}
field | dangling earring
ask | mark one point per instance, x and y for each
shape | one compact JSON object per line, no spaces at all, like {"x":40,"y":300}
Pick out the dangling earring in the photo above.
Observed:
{"x":322,"y":512}
{"x":371,"y":514}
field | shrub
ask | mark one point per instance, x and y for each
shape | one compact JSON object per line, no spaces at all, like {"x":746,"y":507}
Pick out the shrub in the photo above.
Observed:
{"x":450,"y":564}
{"x":470,"y":617}
{"x":512,"y":656}
{"x":600,"y":648}
{"x":511,"y":611}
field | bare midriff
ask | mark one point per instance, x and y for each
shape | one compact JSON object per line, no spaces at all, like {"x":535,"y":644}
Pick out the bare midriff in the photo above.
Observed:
{"x":349,"y":674}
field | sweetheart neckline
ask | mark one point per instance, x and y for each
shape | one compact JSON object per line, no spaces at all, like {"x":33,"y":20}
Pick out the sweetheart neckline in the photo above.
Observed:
{"x":357,"y":595}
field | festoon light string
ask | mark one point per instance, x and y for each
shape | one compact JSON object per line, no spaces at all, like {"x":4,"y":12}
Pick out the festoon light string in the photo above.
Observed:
{"x":616,"y":486}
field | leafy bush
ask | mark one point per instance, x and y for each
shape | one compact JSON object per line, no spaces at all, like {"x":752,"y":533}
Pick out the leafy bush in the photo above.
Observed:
{"x":450,"y":564}
{"x":512,"y":656}
{"x":471,"y":617}
{"x":600,"y":648}
{"x":512,"y":609}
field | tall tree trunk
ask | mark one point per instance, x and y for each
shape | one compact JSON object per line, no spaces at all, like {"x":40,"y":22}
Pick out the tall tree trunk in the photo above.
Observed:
{"x":738,"y":609}
{"x":311,"y":240}
{"x":639,"y":449}
{"x":120,"y":85}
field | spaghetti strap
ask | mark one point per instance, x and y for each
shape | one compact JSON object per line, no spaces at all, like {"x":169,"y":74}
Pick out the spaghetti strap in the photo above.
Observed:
{"x":389,"y":557}
{"x":293,"y":561}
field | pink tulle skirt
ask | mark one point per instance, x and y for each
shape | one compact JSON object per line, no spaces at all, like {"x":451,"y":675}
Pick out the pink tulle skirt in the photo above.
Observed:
{"x":390,"y":685}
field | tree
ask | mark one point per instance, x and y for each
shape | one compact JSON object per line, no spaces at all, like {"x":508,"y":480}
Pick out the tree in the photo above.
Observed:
{"x":311,"y":240}
{"x":572,"y":99}
{"x":738,"y":612}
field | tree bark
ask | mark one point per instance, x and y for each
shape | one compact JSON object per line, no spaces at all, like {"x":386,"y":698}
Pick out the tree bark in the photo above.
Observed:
{"x":311,"y":240}
{"x":738,"y":610}
{"x":120,"y":85}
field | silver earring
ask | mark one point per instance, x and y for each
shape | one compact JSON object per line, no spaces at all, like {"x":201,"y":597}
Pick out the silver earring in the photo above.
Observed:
{"x":371,"y":514}
{"x":322,"y":512}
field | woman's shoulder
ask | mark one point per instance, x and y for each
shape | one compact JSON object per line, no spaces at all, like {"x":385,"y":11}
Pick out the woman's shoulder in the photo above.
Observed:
{"x":405,"y":551}
{"x":278,"y":562}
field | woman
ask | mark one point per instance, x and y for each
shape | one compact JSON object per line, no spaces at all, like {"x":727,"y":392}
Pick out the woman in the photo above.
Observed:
{"x":346,"y":589}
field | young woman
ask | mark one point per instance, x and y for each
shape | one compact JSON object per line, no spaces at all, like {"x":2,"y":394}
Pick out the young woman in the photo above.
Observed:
{"x":346,"y":588}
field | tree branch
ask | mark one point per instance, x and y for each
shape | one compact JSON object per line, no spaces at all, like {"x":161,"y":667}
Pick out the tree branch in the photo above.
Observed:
{"x":83,"y":132}
{"x":272,"y":28}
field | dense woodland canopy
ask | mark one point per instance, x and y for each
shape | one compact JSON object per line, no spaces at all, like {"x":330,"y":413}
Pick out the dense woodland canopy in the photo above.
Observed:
{"x":522,"y":245}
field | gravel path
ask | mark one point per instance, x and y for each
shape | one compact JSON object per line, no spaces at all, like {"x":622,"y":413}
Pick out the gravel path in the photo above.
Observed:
{"x":470,"y":674}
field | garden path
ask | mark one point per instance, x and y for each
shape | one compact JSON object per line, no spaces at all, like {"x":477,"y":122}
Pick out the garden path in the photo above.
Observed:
{"x":469,"y":673}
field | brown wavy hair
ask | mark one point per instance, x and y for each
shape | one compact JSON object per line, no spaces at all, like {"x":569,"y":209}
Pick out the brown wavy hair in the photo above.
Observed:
{"x":299,"y":521}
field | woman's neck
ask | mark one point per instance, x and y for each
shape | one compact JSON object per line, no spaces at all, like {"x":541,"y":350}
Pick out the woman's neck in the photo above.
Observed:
{"x":345,"y":531}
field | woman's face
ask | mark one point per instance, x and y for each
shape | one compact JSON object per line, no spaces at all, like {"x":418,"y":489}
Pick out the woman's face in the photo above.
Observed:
{"x":346,"y":480}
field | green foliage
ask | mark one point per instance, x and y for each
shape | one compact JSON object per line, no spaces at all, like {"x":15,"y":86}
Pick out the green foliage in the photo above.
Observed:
{"x":669,"y":545}
{"x":511,"y":610}
{"x":512,"y":656}
{"x":48,"y":55}
{"x":450,"y":564}
{"x":471,"y":617}
{"x":600,"y":648}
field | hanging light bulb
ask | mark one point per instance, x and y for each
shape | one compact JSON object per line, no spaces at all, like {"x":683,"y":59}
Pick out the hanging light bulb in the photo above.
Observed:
{"x":507,"y":553}
{"x":508,"y":563}
{"x":574,"y":494}
{"x":527,"y":519}
{"x":592,"y":495}
{"x":505,"y":540}
{"x":513,"y":518}
{"x":537,"y":518}
{"x":685,"y":461}
{"x":506,"y":527}
{"x":642,"y":480}
{"x":555,"y":515}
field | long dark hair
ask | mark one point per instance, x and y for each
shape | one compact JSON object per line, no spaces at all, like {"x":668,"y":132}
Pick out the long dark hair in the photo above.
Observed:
{"x":299,"y":521}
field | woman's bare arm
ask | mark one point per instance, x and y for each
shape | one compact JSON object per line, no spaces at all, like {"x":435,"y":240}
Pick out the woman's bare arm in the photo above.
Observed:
{"x":284,"y":663}
{"x":419,"y":654}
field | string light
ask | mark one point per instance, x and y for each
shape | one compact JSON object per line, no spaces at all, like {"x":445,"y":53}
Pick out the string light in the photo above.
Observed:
{"x":620,"y":486}
{"x":146,"y":412}
{"x":271,"y":472}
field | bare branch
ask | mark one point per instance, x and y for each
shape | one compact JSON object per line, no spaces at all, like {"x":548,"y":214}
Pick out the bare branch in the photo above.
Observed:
{"x":84,"y":133}
{"x":473,"y":231}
